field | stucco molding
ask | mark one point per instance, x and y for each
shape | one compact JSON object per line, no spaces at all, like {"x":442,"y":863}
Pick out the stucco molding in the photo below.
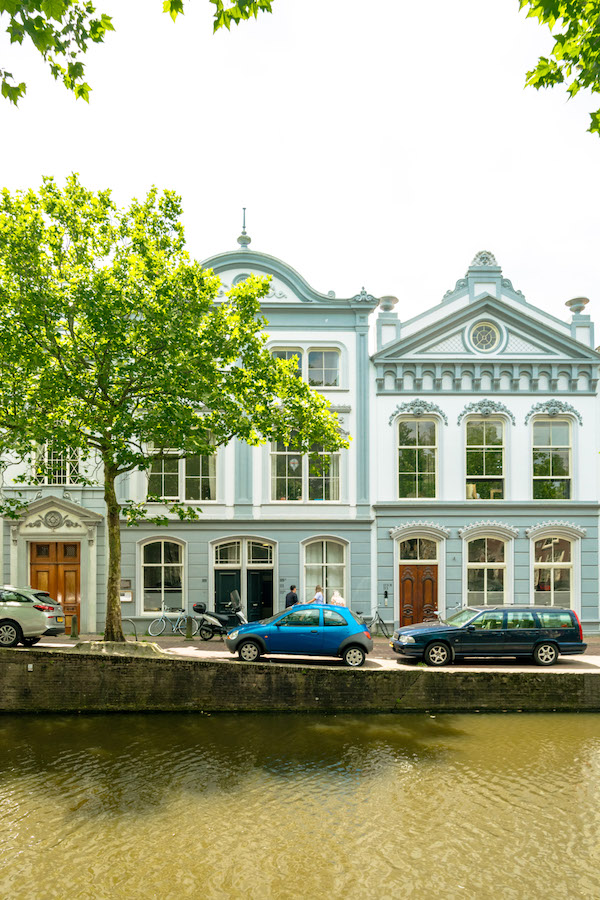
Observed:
{"x":484,"y":259}
{"x":418,"y":408}
{"x":553,"y":408}
{"x":364,"y":297}
{"x":419,"y":529}
{"x":486,"y":408}
{"x":488,"y":527}
{"x":560,"y":528}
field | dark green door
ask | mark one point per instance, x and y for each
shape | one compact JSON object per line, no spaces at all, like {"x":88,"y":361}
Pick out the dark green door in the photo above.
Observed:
{"x":260,"y":594}
{"x":226,"y":581}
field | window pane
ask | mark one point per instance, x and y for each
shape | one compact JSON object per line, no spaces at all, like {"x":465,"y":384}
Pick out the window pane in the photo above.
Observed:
{"x":560,"y":462}
{"x":476,"y":550}
{"x":426,"y":433}
{"x":562,"y":579}
{"x":171,"y":488}
{"x":474,"y":462}
{"x":485,"y":490}
{"x":541,"y":434}
{"x":333,"y":618}
{"x":560,"y":434}
{"x":152,"y":552}
{"x":172,"y":552}
{"x":407,"y":461}
{"x":314,"y":552}
{"x":192,"y":465}
{"x":493,"y":462}
{"x":407,"y":486}
{"x":493,"y":433}
{"x":475,"y":579}
{"x":407,"y":433}
{"x":542,"y":579}
{"x":229,"y":553}
{"x":544,"y":550}
{"x":545,"y":489}
{"x":495,"y":550}
{"x":562,"y":550}
{"x":495,"y":580}
{"x":334,"y":552}
{"x":426,"y":486}
{"x":474,"y":434}
{"x":426,"y":460}
{"x":541,"y":462}
{"x":427,"y":549}
{"x":409,"y":549}
{"x":260,"y":553}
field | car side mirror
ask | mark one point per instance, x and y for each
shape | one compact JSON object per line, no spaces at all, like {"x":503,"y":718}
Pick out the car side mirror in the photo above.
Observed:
{"x":470,"y":628}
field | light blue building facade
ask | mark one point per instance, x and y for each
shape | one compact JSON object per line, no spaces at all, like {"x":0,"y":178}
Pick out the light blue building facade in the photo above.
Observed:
{"x":471,"y":476}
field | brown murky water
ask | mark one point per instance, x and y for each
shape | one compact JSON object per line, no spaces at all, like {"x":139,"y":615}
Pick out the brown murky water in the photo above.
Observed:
{"x":300,"y":807}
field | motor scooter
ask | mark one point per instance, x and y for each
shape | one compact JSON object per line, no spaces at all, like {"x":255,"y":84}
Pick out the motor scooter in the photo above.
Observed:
{"x":212,"y":623}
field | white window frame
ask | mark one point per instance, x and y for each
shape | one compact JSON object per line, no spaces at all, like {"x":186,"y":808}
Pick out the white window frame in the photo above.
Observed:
{"x":306,"y":347}
{"x":70,"y":460}
{"x":306,"y":588}
{"x":533,"y":478}
{"x":409,"y":418}
{"x":304,"y":478}
{"x":181,"y":477}
{"x":570,"y":534}
{"x":499,"y":532}
{"x":140,"y":572}
{"x":503,"y":478}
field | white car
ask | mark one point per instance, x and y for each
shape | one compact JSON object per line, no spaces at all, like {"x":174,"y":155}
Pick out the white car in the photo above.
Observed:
{"x":26,"y":615}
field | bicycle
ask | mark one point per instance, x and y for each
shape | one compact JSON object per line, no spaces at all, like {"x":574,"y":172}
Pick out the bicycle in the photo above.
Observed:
{"x":179,"y":626}
{"x":375,"y":623}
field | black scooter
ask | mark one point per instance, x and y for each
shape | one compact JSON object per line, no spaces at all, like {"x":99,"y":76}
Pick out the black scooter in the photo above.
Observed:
{"x":212,"y":623}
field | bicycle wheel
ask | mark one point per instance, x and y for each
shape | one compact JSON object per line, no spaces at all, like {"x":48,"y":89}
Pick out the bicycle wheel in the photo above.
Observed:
{"x":384,"y":628}
{"x":157,"y":626}
{"x":181,"y":626}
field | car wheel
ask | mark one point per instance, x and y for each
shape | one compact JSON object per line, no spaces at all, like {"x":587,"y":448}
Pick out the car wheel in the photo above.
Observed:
{"x":10,"y":634}
{"x":249,"y":651}
{"x":30,"y":641}
{"x":205,"y":633}
{"x":437,"y":654}
{"x":354,"y":656}
{"x":545,"y":654}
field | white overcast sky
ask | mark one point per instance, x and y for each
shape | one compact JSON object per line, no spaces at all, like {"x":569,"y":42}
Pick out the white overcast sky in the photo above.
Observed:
{"x":373,"y":142}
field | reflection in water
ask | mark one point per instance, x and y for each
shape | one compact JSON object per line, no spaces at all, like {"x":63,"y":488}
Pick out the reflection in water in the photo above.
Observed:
{"x":300,"y":806}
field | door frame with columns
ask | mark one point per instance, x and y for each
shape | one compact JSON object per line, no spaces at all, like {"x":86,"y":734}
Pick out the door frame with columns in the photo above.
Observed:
{"x":432,"y":531}
{"x":54,"y":519}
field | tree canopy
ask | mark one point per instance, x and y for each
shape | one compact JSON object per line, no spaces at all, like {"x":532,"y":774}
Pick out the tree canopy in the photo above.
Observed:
{"x":62,"y":30}
{"x":575,"y":56}
{"x":115,"y":344}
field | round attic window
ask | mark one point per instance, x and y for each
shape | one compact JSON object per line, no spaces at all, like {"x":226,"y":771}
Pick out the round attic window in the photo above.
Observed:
{"x":485,"y":337}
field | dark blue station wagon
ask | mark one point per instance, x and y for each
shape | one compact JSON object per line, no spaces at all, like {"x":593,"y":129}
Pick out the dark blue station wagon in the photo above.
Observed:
{"x":540,"y":632}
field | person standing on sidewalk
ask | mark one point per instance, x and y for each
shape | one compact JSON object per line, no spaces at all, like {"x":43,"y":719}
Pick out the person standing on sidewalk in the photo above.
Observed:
{"x":291,"y":598}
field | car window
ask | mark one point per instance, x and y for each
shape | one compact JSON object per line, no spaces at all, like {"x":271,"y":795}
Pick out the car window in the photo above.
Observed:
{"x":521,"y":619}
{"x":556,"y":619}
{"x":44,"y":596}
{"x":12,"y":596}
{"x":488,"y":621}
{"x":306,"y":617}
{"x":461,"y":618}
{"x":333,"y":618}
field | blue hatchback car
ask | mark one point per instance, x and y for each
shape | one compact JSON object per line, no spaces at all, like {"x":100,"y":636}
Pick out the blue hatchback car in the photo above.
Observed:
{"x":315,"y":629}
{"x":539,"y":632}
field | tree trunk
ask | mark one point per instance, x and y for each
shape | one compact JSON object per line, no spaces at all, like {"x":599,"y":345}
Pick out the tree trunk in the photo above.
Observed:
{"x":114,"y":629}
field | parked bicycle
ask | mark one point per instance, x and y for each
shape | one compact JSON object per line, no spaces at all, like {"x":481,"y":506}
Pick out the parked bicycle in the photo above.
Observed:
{"x":178,"y":626}
{"x":375,"y":623}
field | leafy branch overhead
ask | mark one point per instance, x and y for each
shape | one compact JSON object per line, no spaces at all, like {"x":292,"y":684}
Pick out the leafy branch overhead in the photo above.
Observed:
{"x":62,"y":31}
{"x":575,"y":57}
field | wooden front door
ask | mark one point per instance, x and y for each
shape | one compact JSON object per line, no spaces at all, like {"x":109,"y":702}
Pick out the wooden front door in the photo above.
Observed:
{"x":418,"y":593}
{"x":55,"y":567}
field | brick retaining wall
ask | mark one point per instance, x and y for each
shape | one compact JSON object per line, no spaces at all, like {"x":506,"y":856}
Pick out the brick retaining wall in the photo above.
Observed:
{"x":71,"y":682}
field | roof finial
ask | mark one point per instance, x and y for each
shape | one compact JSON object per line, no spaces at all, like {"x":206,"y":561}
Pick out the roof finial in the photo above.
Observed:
{"x":243,"y":239}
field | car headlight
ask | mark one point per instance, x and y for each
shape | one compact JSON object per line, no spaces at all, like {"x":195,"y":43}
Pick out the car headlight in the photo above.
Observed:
{"x":406,"y":639}
{"x":233,"y":635}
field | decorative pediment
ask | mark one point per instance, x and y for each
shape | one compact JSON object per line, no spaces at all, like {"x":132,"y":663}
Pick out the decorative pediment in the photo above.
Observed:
{"x":556,"y":527}
{"x":55,"y":515}
{"x":553,"y":408}
{"x":418,"y":408}
{"x":419,"y":529}
{"x":486,"y":408}
{"x":489,"y":527}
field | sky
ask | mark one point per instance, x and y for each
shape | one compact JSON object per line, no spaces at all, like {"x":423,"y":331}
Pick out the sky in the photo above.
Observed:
{"x":377,"y":144}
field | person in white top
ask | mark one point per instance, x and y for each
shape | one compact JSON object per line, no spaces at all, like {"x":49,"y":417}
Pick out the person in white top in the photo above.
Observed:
{"x":337,"y":599}
{"x":318,"y":595}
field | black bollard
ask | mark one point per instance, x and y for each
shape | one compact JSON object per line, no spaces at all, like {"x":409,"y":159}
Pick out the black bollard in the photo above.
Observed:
{"x":74,"y":628}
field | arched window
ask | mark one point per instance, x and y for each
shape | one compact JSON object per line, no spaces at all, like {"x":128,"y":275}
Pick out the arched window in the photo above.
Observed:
{"x":417,"y":458}
{"x":324,"y":564}
{"x":162,"y":576}
{"x":486,"y":571}
{"x":485,"y":459}
{"x":552,"y":459}
{"x":553,"y":572}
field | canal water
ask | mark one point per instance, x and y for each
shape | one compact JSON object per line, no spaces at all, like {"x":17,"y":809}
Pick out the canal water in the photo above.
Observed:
{"x":274,"y":806}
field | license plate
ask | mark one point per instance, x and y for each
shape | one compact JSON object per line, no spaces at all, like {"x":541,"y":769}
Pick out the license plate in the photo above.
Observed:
{"x":60,"y":619}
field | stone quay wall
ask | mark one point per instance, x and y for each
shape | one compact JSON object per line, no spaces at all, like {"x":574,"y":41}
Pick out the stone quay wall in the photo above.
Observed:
{"x":66,"y":681}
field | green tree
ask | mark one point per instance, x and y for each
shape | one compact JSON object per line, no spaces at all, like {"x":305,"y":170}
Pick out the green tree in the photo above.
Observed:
{"x":62,"y":30}
{"x":114,"y":343}
{"x":575,"y":56}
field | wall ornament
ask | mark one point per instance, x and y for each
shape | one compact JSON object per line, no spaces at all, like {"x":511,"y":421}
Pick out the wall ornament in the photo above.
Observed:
{"x":499,"y":529}
{"x":486,"y":408}
{"x":418,"y":408}
{"x":565,"y":528}
{"x":422,"y":529}
{"x":364,"y":297}
{"x":53,"y":520}
{"x":553,"y":408}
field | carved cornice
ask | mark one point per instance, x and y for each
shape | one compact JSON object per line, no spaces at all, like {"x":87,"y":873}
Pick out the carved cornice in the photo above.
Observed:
{"x":418,"y":408}
{"x":486,"y":408}
{"x":556,"y":527}
{"x":499,"y":529}
{"x":553,"y":408}
{"x":430,"y":529}
{"x":53,"y":520}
